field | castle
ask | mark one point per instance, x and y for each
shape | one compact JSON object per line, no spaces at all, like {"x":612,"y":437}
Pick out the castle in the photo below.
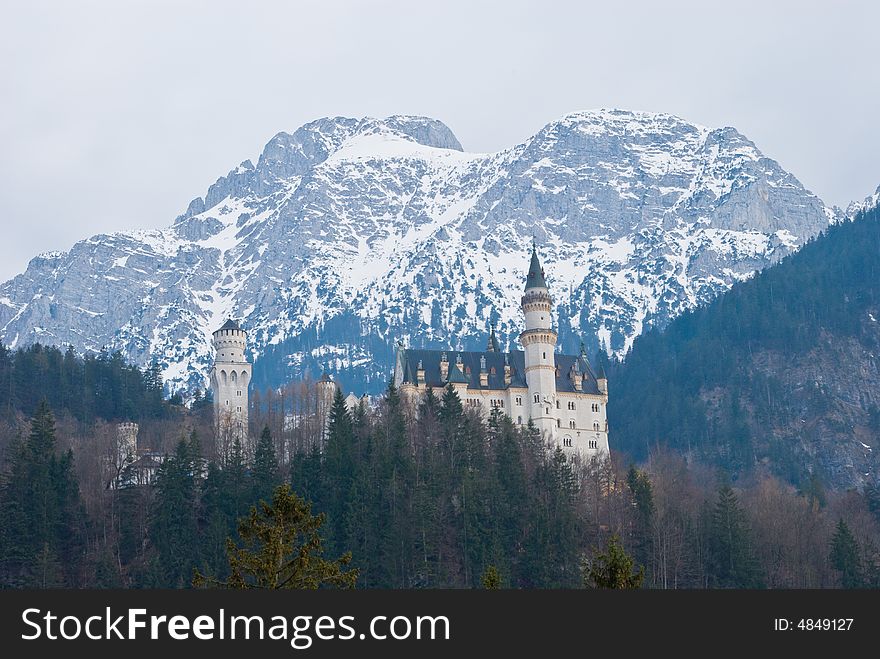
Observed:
{"x":560,"y":393}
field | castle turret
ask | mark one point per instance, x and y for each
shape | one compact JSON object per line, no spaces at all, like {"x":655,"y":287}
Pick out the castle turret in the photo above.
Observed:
{"x":539,"y":343}
{"x":230,"y":378}
{"x":492,"y":343}
{"x":602,"y":382}
{"x":326,"y":392}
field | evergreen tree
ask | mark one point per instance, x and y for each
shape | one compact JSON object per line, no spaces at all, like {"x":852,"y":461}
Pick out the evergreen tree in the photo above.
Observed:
{"x":643,"y":498}
{"x":265,"y":471}
{"x":42,"y":518}
{"x":731,"y":561}
{"x":174,"y":530}
{"x":612,"y":569}
{"x":845,"y":557}
{"x":491,"y":579}
{"x":282,"y":548}
{"x":395,"y":483}
{"x":339,"y":469}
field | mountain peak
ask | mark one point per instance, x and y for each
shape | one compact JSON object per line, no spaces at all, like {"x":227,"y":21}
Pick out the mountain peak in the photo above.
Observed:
{"x":868,"y":203}
{"x":350,"y":233}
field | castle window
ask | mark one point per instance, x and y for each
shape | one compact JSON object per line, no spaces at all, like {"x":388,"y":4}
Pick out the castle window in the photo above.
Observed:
{"x":519,"y":420}
{"x":571,"y":423}
{"x":557,"y":404}
{"x":595,"y":407}
{"x":594,"y":444}
{"x":571,"y":405}
{"x":537,"y":398}
{"x":558,"y":423}
{"x":545,"y":355}
{"x":566,"y":441}
{"x":595,"y":425}
{"x":519,"y":400}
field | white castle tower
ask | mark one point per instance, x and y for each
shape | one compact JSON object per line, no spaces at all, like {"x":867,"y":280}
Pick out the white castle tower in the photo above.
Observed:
{"x":230,"y":378}
{"x":326,"y":390}
{"x":126,"y":443}
{"x":539,"y":343}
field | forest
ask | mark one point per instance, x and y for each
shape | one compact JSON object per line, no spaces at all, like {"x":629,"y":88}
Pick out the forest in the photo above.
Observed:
{"x":423,"y":496}
{"x":781,"y":370}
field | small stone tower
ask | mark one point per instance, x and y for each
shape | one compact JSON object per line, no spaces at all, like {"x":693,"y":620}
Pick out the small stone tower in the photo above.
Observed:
{"x":539,"y":343}
{"x":326,"y":391}
{"x":126,"y":443}
{"x":230,"y":378}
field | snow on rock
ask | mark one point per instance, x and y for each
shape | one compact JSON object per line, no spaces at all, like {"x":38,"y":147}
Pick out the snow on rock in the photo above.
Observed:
{"x":350,"y":234}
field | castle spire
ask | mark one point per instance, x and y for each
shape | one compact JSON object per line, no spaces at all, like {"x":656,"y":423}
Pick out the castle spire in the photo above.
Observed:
{"x":535,"y":278}
{"x":492,"y":343}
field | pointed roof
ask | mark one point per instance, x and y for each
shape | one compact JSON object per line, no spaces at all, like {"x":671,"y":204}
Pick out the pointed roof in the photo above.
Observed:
{"x":492,"y":344}
{"x":230,"y":325}
{"x":456,"y":376}
{"x":535,"y":278}
{"x":407,"y":375}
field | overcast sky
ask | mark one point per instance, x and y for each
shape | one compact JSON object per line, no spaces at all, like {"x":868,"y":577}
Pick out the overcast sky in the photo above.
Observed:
{"x":115,"y":114}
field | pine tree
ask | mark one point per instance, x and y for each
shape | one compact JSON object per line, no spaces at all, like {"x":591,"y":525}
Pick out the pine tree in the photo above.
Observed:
{"x":338,"y":474}
{"x":731,"y":561}
{"x":282,"y":548}
{"x":265,"y":472}
{"x":42,"y":516}
{"x":845,"y":557}
{"x":491,"y":579}
{"x":643,"y":497}
{"x":174,"y":529}
{"x":612,"y":569}
{"x":395,"y":489}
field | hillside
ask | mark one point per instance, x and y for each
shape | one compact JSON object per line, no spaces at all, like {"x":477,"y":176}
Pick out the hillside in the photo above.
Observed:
{"x":782,"y":371}
{"x":350,"y":234}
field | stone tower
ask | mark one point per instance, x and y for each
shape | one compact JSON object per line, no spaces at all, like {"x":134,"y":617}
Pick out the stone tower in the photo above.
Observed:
{"x":326,"y":390}
{"x":126,"y":444}
{"x":539,"y":343}
{"x":230,"y":378}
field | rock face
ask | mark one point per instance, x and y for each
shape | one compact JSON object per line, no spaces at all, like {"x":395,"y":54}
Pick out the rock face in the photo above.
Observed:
{"x":351,"y":234}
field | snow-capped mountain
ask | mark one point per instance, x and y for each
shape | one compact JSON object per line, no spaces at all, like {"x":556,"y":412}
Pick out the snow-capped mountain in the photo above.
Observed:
{"x":349,"y":235}
{"x":866,"y":204}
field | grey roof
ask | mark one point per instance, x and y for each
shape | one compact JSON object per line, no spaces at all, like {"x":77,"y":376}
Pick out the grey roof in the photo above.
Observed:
{"x":535,"y":277}
{"x":469,"y":373}
{"x":230,"y":325}
{"x":455,"y":375}
{"x":407,"y":374}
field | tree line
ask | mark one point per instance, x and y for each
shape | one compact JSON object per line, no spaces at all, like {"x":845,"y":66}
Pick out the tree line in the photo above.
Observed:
{"x":88,"y":387}
{"x":425,"y":494}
